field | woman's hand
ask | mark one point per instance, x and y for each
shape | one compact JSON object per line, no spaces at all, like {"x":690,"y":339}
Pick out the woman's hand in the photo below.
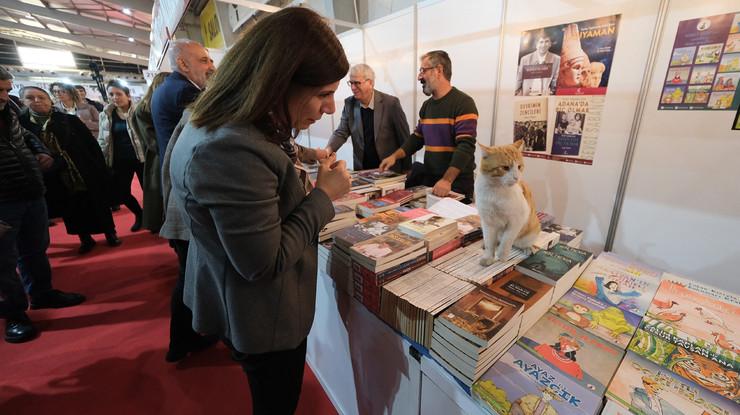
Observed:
{"x":333,"y":178}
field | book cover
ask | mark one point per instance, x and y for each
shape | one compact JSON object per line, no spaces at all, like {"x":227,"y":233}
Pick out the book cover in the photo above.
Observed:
{"x":468,"y":224}
{"x":597,"y":317}
{"x":520,"y":383}
{"x":376,"y":225}
{"x":546,"y":264}
{"x":387,"y":247}
{"x":480,"y":315}
{"x":425,"y":225}
{"x":567,"y":233}
{"x":521,"y":288}
{"x":588,"y":360}
{"x":646,"y":388}
{"x":576,"y":254}
{"x":377,"y":176}
{"x":619,"y":282}
{"x":704,"y":371}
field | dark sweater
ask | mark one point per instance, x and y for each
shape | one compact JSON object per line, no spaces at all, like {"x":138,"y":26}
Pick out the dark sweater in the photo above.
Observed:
{"x":20,"y":174}
{"x":447,"y":131}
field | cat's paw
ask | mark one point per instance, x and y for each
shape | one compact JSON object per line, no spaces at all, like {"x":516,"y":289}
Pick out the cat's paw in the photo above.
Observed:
{"x":527,"y":251}
{"x":486,"y":261}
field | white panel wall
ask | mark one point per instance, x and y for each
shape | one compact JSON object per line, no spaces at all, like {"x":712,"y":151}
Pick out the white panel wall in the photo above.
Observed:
{"x":682,"y":205}
{"x":582,"y":196}
{"x":469,"y":32}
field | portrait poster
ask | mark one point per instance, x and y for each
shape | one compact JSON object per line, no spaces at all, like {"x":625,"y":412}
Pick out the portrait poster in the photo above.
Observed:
{"x":704,"y":67}
{"x":530,"y":124}
{"x":567,"y":59}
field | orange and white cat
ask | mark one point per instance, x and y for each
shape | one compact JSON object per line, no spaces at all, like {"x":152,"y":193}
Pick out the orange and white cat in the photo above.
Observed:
{"x":505,"y":204}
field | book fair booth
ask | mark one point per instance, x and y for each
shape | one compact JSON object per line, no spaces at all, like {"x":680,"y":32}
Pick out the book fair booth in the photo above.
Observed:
{"x":633,"y":170}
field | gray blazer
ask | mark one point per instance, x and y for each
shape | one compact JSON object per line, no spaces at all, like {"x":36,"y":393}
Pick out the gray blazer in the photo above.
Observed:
{"x":251,"y":270}
{"x":389,"y":123}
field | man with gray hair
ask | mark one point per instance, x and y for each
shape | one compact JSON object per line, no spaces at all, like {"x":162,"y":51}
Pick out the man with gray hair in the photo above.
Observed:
{"x":375,"y":121}
{"x":191,"y":68}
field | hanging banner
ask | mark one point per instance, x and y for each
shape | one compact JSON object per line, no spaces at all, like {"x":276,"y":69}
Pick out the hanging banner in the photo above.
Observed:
{"x":562,"y":75}
{"x":704,"y":69}
{"x":210,"y":27}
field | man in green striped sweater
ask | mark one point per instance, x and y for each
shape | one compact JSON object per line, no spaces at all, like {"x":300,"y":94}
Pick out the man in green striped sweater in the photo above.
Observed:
{"x":446,"y":130}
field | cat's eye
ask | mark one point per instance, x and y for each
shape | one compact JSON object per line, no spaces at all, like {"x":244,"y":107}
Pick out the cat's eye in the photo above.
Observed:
{"x":507,"y":168}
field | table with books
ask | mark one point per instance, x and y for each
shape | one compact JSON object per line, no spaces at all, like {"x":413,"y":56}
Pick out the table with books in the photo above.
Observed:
{"x":408,"y":321}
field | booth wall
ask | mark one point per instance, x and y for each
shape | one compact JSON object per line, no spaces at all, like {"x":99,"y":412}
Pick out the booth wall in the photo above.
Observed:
{"x":682,"y":204}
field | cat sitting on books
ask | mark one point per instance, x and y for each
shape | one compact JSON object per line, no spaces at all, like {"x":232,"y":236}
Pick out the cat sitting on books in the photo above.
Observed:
{"x":505,"y":203}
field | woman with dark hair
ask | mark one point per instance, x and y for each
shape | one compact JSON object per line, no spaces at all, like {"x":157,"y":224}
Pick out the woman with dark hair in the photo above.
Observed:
{"x":76,"y":185}
{"x":253,"y":216}
{"x":68,"y":101}
{"x":142,"y":124}
{"x":122,"y":148}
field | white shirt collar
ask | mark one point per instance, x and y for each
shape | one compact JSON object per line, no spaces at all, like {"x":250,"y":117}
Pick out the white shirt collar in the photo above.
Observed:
{"x":371,"y":105}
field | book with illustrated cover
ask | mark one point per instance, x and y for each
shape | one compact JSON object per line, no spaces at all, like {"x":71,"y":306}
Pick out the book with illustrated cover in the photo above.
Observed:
{"x":582,"y":256}
{"x":377,"y":177}
{"x":569,"y":236}
{"x":384,"y":248}
{"x":646,"y":388}
{"x":481,"y":315}
{"x":547,"y":266}
{"x":588,"y":360}
{"x":376,"y":225}
{"x":521,"y":383}
{"x":595,"y":316}
{"x":622,"y":283}
{"x":374,"y":206}
{"x":351,"y":199}
{"x":342,"y":212}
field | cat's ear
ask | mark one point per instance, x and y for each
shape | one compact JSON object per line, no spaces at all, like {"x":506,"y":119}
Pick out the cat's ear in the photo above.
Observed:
{"x":519,"y":143}
{"x":485,"y":148}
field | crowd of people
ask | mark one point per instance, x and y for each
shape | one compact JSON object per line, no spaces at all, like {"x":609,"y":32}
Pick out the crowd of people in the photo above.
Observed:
{"x":215,"y":154}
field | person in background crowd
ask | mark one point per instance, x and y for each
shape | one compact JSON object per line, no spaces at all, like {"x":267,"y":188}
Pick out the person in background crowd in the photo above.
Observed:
{"x":122,"y":148}
{"x":143,"y":125}
{"x":446,"y":130}
{"x":253,"y":215}
{"x":375,"y":121}
{"x":69,"y":102}
{"x":24,"y":234}
{"x":82,"y":92}
{"x":76,"y":185}
{"x":193,"y":66}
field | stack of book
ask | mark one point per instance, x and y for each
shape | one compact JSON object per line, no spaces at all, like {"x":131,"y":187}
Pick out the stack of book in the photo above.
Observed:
{"x":382,"y":259}
{"x":344,"y":216}
{"x":351,"y":199}
{"x":558,"y":266}
{"x":410,"y":303}
{"x":569,"y":236}
{"x":377,"y":177}
{"x":399,"y":196}
{"x":470,"y":358}
{"x":433,"y":229}
{"x":685,"y":352}
{"x":464,"y":264}
{"x":433,"y":200}
{"x":374,"y":206}
{"x":469,"y":229}
{"x":545,"y":219}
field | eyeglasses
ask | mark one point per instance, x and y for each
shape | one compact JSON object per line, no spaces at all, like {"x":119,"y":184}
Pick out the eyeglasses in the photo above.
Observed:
{"x":355,"y":83}
{"x":423,"y":69}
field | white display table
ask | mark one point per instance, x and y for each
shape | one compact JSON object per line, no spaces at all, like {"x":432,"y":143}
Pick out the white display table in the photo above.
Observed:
{"x":367,"y":368}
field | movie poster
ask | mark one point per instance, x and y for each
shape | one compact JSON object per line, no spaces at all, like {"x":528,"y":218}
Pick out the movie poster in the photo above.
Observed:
{"x":704,"y":69}
{"x":568,"y":59}
{"x":568,"y":67}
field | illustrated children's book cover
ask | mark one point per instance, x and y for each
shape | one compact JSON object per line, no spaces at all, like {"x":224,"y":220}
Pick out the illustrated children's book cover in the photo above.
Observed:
{"x":521,"y":383}
{"x":648,"y":389}
{"x":597,"y":317}
{"x":619,"y":282}
{"x":588,"y":360}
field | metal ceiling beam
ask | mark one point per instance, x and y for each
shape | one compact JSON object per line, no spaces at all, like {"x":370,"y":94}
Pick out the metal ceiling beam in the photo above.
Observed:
{"x":96,"y":24}
{"x":144,"y":6}
{"x":85,"y":40}
{"x":272,"y":9}
{"x":57,"y":46}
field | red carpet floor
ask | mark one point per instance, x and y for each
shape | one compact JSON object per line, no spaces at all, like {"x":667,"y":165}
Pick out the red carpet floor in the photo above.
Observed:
{"x":106,"y":356}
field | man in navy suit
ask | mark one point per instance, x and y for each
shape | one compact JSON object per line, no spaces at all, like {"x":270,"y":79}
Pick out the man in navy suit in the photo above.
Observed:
{"x":192,"y":66}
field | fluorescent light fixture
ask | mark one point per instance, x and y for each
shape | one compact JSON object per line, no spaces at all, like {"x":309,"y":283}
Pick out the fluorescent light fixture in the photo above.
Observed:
{"x":126,"y":11}
{"x":37,"y":58}
{"x":131,"y":39}
{"x":123,"y":82}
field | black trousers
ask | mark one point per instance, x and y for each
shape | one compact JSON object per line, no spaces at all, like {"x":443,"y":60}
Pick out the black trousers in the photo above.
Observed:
{"x":182,"y":334}
{"x":275,"y":378}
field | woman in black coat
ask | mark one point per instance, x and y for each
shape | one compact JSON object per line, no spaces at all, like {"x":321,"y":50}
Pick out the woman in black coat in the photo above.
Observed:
{"x":77,"y":184}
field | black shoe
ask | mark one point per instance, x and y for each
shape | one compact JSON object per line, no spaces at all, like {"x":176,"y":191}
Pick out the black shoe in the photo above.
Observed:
{"x":86,"y":246}
{"x":112,"y":239}
{"x":201,"y":343}
{"x":19,"y":330}
{"x":56,"y":299}
{"x":137,"y":224}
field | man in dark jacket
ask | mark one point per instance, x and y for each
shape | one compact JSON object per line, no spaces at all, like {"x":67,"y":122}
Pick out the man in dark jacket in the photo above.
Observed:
{"x":24,"y":233}
{"x":192,"y":66}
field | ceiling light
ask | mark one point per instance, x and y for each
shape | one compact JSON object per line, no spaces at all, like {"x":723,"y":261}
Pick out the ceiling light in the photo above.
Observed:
{"x":131,"y":39}
{"x":123,"y":82}
{"x":126,"y":11}
{"x":38,"y":58}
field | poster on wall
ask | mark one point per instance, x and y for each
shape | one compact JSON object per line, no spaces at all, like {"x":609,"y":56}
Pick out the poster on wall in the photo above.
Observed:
{"x":704,"y":69}
{"x":562,"y":76}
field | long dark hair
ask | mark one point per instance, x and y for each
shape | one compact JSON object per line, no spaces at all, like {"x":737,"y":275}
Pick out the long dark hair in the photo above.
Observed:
{"x":145,"y":102}
{"x":293,"y":47}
